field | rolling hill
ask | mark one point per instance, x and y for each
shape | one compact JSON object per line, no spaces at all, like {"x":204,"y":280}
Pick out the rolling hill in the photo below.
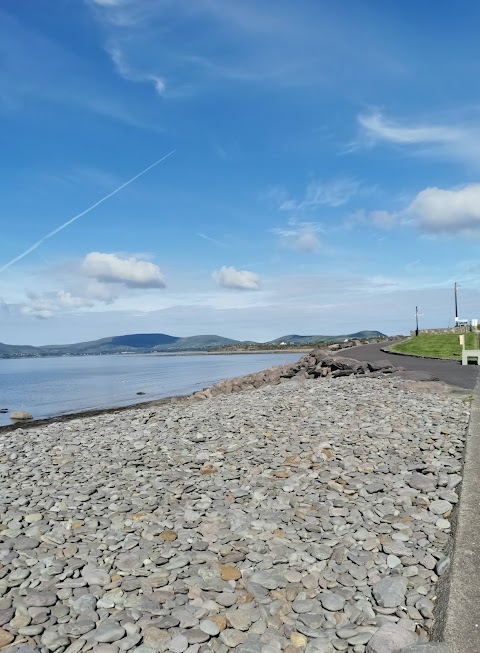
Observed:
{"x":299,"y":340}
{"x":158,"y":342}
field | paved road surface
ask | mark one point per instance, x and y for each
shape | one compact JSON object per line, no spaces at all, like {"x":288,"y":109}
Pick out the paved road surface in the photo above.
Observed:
{"x":452,"y":372}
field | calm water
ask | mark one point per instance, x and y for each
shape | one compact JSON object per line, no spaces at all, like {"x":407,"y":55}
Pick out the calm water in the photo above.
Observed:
{"x":54,"y":386}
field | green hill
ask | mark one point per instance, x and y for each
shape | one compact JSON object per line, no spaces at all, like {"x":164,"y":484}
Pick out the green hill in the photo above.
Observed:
{"x":159,"y":342}
{"x":131,"y":343}
{"x":298,"y":340}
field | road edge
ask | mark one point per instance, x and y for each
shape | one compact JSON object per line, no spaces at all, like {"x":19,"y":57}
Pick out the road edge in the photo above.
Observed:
{"x":461,"y":623}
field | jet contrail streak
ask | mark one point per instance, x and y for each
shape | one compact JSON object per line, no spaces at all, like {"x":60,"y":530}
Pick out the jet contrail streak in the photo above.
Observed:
{"x":79,"y":215}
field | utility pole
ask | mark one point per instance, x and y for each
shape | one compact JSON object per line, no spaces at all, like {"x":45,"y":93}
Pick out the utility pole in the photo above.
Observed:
{"x":456,"y":304}
{"x":416,"y":318}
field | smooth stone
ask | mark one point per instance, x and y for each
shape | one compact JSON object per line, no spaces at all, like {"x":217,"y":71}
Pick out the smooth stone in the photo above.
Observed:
{"x":129,"y":641}
{"x":390,"y":591}
{"x":440,"y":507}
{"x":178,"y":644}
{"x":5,"y":638}
{"x":156,"y":638}
{"x":39,"y":599}
{"x":332,"y":602}
{"x":209,"y":627}
{"x":109,"y":631}
{"x":269,"y":579}
{"x":95,"y":576}
{"x":232,"y":637}
{"x":390,"y":638}
{"x":442,"y":566}
{"x":393,"y":561}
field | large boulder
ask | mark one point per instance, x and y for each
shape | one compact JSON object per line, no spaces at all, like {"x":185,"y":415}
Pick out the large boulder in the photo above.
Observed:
{"x":376,"y":366}
{"x":21,"y":416}
{"x":343,"y":363}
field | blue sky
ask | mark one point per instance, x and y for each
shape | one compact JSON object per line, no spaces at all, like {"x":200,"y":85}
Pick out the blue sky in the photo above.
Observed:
{"x":325,"y":175}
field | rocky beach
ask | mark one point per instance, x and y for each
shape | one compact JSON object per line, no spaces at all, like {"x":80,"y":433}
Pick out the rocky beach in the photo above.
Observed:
{"x":309,"y":512}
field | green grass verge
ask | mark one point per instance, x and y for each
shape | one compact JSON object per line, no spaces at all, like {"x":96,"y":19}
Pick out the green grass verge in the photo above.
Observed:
{"x":444,"y":345}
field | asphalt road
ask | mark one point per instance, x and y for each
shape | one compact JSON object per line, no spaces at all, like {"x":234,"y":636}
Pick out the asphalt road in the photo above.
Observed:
{"x":451,"y":372}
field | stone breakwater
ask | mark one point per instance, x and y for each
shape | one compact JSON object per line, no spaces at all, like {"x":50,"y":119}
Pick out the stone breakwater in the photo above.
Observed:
{"x":319,"y":363}
{"x":306,"y":517}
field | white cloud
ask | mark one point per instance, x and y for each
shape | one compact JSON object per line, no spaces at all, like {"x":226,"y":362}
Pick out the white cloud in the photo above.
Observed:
{"x":130,"y":272}
{"x":379,"y":128}
{"x":301,"y":236}
{"x":434,"y":210}
{"x":334,"y":192}
{"x":229,"y":277}
{"x":46,"y":305}
{"x":458,"y":140}
{"x":439,"y":210}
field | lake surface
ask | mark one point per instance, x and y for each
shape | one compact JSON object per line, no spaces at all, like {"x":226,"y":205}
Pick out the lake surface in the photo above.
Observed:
{"x":47,"y":387}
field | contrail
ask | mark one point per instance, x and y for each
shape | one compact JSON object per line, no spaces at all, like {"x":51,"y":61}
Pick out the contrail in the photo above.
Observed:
{"x":79,"y":215}
{"x":212,"y":240}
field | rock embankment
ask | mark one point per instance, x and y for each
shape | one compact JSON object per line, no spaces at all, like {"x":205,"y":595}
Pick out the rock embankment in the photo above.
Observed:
{"x":307,"y":517}
{"x":319,"y":363}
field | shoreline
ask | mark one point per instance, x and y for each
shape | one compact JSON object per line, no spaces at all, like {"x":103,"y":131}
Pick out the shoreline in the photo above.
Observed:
{"x":289,"y":350}
{"x":178,"y":522}
{"x":87,"y":412}
{"x":94,"y":412}
{"x":244,"y":381}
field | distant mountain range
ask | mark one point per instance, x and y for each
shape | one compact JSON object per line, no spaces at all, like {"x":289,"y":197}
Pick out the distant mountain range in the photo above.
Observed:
{"x":300,"y":340}
{"x":160,"y":342}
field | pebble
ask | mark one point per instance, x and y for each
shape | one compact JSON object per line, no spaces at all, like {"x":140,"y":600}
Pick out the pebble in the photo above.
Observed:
{"x":390,"y":591}
{"x":178,"y":644}
{"x":5,"y":638}
{"x":311,"y":516}
{"x":390,"y":638}
{"x":109,"y":631}
{"x":332,"y":602}
{"x":209,"y":627}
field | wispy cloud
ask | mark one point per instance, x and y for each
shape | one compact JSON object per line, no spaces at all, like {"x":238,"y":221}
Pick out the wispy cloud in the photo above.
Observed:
{"x":46,"y":77}
{"x":126,"y":71}
{"x":457,"y":139}
{"x":332,"y":192}
{"x":380,"y":128}
{"x":239,"y":42}
{"x":301,"y":236}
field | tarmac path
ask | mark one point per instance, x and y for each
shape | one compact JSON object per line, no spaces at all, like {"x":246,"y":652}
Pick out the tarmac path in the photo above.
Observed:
{"x":451,"y":372}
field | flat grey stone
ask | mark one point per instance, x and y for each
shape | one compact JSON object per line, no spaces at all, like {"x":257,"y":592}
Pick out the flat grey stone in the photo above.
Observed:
{"x":95,"y":576}
{"x":39,"y":599}
{"x":178,"y":644}
{"x":422,"y":482}
{"x":109,"y":631}
{"x":390,"y":638}
{"x":331,"y":601}
{"x":232,"y":637}
{"x":269,"y":579}
{"x":390,"y":591}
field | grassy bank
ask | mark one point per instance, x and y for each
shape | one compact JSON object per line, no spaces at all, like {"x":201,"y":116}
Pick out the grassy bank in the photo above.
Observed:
{"x":444,"y":345}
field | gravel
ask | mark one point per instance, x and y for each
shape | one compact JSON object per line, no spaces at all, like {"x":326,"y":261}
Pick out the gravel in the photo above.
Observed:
{"x":310,"y":516}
